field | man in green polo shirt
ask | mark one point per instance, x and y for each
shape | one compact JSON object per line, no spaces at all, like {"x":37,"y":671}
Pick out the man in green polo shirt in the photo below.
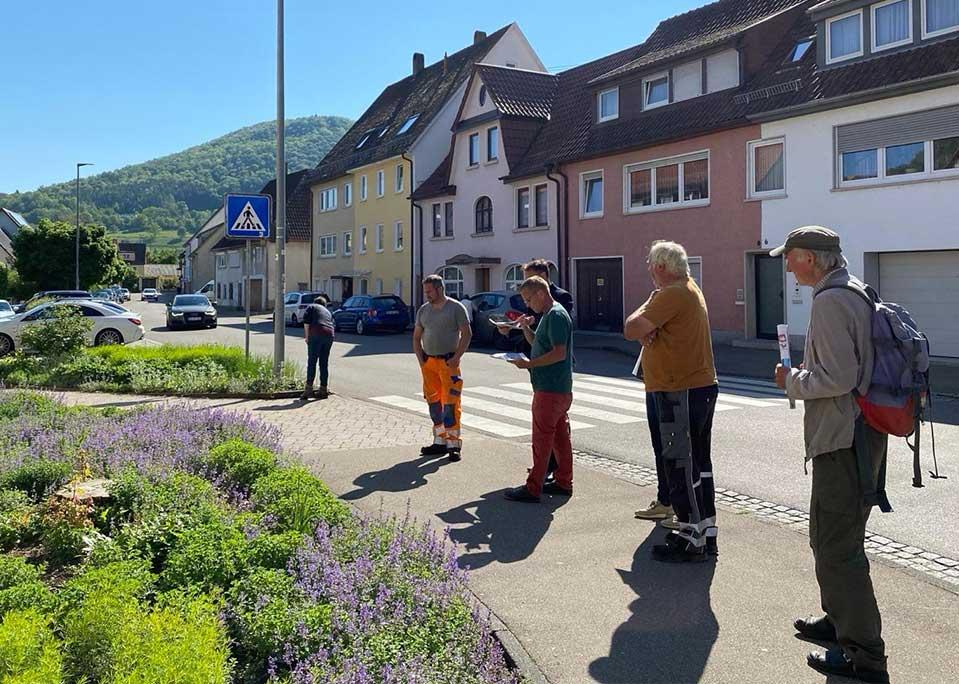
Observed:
{"x":551,"y":373}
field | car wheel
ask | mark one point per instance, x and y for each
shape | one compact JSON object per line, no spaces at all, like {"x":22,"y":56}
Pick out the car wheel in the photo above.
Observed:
{"x":6,"y":345}
{"x":293,"y":321}
{"x":108,"y":336}
{"x":360,"y":327}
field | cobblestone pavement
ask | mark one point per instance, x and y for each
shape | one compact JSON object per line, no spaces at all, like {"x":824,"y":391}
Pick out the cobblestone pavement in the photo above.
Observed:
{"x":339,"y":423}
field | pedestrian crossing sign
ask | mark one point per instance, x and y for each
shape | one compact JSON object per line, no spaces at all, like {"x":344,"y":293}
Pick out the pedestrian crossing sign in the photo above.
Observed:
{"x":247,"y":216}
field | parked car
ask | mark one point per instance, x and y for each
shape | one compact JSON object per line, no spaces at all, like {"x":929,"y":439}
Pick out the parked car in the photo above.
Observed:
{"x":190,"y":310}
{"x":366,"y":313}
{"x":502,"y":305}
{"x":295,"y":304}
{"x":52,"y":294}
{"x":109,"y":325}
{"x":6,"y":311}
{"x":150,"y":294}
{"x":124,"y":294}
{"x":103,"y":296}
{"x":209,"y":291}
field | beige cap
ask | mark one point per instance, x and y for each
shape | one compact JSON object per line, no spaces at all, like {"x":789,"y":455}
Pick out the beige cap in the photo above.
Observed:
{"x":809,"y":237}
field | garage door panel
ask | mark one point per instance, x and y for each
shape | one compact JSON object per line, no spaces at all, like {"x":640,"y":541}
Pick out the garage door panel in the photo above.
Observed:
{"x":927,"y":285}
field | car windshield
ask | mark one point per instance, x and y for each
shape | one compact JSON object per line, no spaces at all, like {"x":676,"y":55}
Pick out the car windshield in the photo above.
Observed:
{"x":5,"y":306}
{"x":113,"y":306}
{"x":191,"y":300}
{"x":384,"y":303}
{"x":149,"y":290}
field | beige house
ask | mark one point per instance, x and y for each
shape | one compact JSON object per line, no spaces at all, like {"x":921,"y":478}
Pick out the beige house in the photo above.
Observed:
{"x":198,"y":260}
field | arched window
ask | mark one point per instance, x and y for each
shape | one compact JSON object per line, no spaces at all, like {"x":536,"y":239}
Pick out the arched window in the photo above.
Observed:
{"x":513,"y":277}
{"x":453,"y":278}
{"x":484,"y":215}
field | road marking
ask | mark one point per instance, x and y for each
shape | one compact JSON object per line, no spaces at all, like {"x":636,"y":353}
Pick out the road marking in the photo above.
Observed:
{"x":486,"y":425}
{"x":510,"y":411}
{"x":621,"y":385}
{"x":574,"y":410}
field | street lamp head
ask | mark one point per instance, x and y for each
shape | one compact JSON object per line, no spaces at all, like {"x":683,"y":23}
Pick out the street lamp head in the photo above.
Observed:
{"x":79,"y":164}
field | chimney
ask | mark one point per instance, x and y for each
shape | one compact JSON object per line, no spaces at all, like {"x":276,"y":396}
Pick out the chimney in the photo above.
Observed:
{"x":445,"y":63}
{"x":478,"y":37}
{"x":418,"y":62}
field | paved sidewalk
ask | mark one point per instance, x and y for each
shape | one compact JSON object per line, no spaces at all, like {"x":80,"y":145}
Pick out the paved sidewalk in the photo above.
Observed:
{"x":572,"y":578}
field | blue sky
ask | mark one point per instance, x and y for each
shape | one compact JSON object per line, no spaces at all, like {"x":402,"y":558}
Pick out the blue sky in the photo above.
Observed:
{"x":117,"y":82}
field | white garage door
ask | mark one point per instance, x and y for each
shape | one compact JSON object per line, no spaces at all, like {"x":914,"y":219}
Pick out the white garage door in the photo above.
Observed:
{"x":927,"y":284}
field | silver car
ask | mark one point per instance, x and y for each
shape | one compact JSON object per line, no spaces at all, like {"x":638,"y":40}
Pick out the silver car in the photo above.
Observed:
{"x":502,"y":305}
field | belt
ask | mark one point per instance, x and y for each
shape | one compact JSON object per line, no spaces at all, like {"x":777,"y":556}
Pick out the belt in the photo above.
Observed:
{"x":445,"y":357}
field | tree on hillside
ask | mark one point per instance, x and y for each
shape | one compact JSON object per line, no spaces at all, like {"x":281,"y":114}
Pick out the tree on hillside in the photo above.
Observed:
{"x":44,"y":256}
{"x":162,"y":255}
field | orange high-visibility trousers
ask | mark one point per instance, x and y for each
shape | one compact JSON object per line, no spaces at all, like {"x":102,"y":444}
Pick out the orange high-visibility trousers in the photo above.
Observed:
{"x":442,"y":389}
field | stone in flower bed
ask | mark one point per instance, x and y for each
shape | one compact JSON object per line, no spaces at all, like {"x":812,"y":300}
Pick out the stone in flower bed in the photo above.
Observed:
{"x":214,"y":560}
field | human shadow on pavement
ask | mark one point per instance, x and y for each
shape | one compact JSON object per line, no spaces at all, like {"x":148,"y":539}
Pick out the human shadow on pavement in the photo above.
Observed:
{"x":497,"y":530}
{"x":400,"y":477}
{"x":672,"y":629}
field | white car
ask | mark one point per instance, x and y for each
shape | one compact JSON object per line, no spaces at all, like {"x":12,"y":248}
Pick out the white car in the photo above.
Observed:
{"x":6,"y":311}
{"x":149,"y":294}
{"x":110,"y":324}
{"x":295,"y":305}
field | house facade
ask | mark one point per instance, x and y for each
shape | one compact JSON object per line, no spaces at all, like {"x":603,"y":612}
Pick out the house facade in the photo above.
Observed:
{"x":873,"y":153}
{"x":382,"y":218}
{"x":477,"y":230}
{"x":334,"y":231}
{"x":199,"y":263}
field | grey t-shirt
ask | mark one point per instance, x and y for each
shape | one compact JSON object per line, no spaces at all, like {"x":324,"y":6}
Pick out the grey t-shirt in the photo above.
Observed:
{"x":441,"y":326}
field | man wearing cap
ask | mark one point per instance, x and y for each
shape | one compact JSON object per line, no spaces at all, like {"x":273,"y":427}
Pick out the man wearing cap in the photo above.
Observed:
{"x":838,"y":361}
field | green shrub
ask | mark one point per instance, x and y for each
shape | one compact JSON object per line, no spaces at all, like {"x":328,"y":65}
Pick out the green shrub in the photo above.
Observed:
{"x":15,"y":511}
{"x":38,"y":478}
{"x":62,"y":526}
{"x":207,"y":556}
{"x":83,"y":369}
{"x":128,"y":494}
{"x":21,"y":586}
{"x":240,"y":462}
{"x":266,"y":612}
{"x":16,"y":404}
{"x":29,"y":652}
{"x":274,"y":550}
{"x":297,"y":500}
{"x":65,"y":332}
{"x":183,"y":643}
{"x":130,"y":578}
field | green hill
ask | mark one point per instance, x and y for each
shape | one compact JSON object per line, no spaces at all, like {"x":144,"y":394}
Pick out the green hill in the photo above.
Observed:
{"x":164,"y":200}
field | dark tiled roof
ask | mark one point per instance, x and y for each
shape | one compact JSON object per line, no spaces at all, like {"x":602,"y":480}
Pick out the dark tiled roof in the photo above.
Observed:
{"x":699,"y":29}
{"x":227,"y":243}
{"x":813,"y":84}
{"x":423,"y":94}
{"x":297,"y":229}
{"x":518,"y":92}
{"x":437,"y":184}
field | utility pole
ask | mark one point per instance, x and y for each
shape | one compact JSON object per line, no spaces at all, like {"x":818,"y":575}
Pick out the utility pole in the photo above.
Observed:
{"x":76,"y":280}
{"x":279,"y":317}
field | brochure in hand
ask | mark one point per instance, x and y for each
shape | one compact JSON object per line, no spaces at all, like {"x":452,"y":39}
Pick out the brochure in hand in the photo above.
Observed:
{"x":511,"y":356}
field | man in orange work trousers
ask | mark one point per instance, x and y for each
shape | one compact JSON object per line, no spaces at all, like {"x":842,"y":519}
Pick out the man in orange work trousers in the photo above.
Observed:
{"x":440,"y":338}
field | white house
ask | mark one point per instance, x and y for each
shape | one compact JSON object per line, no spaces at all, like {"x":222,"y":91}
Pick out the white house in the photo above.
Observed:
{"x":871,"y":151}
{"x":477,"y":230}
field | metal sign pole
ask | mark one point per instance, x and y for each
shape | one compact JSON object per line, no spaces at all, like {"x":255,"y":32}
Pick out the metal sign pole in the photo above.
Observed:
{"x":279,"y":318}
{"x":246,"y":295}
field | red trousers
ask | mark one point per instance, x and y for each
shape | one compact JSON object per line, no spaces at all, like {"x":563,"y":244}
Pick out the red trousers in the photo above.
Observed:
{"x":551,"y":435}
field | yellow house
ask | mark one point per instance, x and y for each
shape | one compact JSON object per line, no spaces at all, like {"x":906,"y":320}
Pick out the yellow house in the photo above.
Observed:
{"x":366,"y":245}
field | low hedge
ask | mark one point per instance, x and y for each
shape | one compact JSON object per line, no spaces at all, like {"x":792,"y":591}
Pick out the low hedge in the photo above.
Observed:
{"x":215,"y":560}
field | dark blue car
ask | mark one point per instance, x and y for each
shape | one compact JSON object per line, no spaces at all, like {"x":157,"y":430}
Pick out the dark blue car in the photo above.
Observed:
{"x":366,"y":313}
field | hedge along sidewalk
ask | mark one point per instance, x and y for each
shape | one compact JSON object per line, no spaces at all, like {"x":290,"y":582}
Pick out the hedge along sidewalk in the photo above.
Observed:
{"x":573,"y":581}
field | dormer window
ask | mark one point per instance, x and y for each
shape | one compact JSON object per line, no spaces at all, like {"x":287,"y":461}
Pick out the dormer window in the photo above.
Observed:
{"x":608,"y":101}
{"x":366,"y":137}
{"x":408,"y":124}
{"x":656,"y":91}
{"x":939,"y":17}
{"x":802,"y":47}
{"x":844,"y":37}
{"x":891,"y":24}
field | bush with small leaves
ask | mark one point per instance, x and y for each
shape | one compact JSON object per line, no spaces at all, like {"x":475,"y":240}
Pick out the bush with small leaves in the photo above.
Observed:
{"x":240,"y":462}
{"x":29,"y":651}
{"x":274,"y":550}
{"x":297,"y":500}
{"x":204,"y":557}
{"x":64,"y":332}
{"x":15,"y":511}
{"x":37,"y":478}
{"x":21,"y":586}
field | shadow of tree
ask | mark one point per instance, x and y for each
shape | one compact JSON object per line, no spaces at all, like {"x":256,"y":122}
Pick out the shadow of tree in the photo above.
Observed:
{"x":497,"y":530}
{"x":671,"y":631}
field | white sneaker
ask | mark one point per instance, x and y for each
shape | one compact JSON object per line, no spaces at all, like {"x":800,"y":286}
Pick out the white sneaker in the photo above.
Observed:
{"x":655,"y":511}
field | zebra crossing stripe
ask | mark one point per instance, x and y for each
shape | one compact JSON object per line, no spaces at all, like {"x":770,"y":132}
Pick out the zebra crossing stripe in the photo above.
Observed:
{"x":525,"y":415}
{"x":574,"y":410}
{"x":485,"y":424}
{"x":638,"y":396}
{"x":619,"y":382}
{"x":621,"y":386}
{"x":585,"y":397}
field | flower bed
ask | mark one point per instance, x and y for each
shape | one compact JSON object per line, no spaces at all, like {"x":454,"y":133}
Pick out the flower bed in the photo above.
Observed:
{"x":212,"y":560}
{"x":168,"y":369}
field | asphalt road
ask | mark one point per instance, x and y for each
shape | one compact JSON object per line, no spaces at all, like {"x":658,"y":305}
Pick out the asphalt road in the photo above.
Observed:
{"x":757,"y":440}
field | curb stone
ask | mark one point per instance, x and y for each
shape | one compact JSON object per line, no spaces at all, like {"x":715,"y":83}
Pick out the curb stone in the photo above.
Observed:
{"x":926,"y":565}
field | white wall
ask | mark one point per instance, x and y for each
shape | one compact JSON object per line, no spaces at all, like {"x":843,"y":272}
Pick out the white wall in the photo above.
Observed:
{"x":885,"y":218}
{"x":471,"y":106}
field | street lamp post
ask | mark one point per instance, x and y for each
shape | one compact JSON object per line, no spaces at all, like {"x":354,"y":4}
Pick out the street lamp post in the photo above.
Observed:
{"x":279,"y":318}
{"x":76,"y":284}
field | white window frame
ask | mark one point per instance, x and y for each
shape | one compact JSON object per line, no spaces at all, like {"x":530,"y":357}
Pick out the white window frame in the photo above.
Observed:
{"x":862,"y":41}
{"x":380,"y":240}
{"x":380,"y":183}
{"x":328,"y":199}
{"x":364,"y":235}
{"x":436,"y":226}
{"x":221,"y":262}
{"x":347,"y":243}
{"x":441,"y":272}
{"x":751,"y":147}
{"x":939,"y":32}
{"x":872,"y":24}
{"x":398,"y":287}
{"x":516,"y":206}
{"x":398,"y":179}
{"x":364,"y":188}
{"x":599,"y":105}
{"x":678,"y":161}
{"x":398,"y":236}
{"x":489,"y":159}
{"x":507,"y":280}
{"x":379,"y":286}
{"x":696,"y":260}
{"x":408,"y":124}
{"x":583,"y":177}
{"x":655,"y":77}
{"x":928,"y":173}
{"x":328,"y":250}
{"x":347,"y":194}
{"x":535,"y":206}
{"x":469,"y":150}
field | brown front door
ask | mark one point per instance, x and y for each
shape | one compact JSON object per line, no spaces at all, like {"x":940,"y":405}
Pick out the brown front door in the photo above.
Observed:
{"x":347,"y":288}
{"x":482,"y":280}
{"x":599,"y":294}
{"x":256,"y":295}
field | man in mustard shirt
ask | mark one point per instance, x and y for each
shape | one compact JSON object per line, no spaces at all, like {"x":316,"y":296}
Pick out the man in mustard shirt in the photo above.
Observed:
{"x":681,"y":391}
